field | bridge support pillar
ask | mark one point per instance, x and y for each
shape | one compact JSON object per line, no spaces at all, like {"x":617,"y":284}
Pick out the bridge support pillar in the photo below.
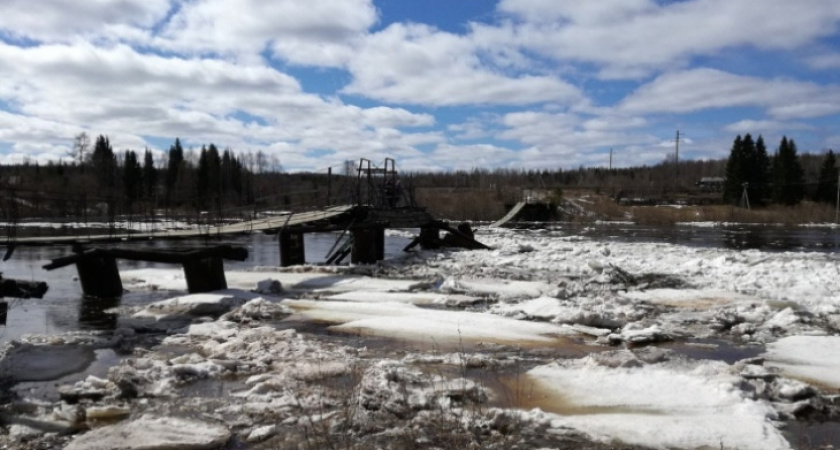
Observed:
{"x":205,"y":274}
{"x":368,"y":245}
{"x":99,"y":276}
{"x":292,"y":251}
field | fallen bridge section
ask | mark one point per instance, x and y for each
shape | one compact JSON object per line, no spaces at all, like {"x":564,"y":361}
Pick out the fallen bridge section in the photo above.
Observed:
{"x":509,"y":216}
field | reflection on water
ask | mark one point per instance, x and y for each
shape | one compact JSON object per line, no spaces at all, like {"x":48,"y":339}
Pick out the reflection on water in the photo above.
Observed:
{"x":93,"y":315}
{"x":64,"y":308}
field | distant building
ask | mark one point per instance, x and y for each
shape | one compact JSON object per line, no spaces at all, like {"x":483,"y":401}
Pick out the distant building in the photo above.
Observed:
{"x":711,"y":184}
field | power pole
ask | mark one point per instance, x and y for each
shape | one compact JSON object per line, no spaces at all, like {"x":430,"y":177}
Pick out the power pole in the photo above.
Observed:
{"x":610,"y":158}
{"x":677,"y":159}
{"x":745,"y":197}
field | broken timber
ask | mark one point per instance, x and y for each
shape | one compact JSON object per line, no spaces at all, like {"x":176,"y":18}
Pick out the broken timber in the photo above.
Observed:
{"x":19,"y":289}
{"x":100,"y":277}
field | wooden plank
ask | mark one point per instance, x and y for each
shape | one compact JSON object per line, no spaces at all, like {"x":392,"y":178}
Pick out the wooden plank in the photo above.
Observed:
{"x":158,"y":256}
{"x":270,"y":223}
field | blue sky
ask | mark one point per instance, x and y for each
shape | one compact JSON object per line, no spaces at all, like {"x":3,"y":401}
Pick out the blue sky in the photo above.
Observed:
{"x":437,"y":85}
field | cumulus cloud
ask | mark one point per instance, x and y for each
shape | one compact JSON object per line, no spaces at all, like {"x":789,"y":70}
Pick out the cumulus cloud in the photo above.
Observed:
{"x":61,"y":89}
{"x":534,"y":82}
{"x":319,"y":32}
{"x":417,"y":64}
{"x":633,"y":38}
{"x":700,"y":89}
{"x":765,"y":126}
{"x":63,"y":21}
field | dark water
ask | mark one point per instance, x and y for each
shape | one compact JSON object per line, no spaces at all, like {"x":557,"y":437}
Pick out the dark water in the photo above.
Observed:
{"x":64,"y":308}
{"x":737,"y":237}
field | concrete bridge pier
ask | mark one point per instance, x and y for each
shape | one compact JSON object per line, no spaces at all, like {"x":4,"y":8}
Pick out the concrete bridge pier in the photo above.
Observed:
{"x":292,"y":250}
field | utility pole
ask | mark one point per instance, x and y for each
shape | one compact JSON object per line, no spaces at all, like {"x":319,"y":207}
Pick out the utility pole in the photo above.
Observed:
{"x":677,"y":159}
{"x":610,"y":158}
{"x":745,"y":197}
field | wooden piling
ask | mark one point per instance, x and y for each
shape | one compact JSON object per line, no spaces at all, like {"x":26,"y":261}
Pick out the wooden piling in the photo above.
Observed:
{"x":292,"y":250}
{"x":205,"y":274}
{"x":99,"y":275}
{"x":368,"y":245}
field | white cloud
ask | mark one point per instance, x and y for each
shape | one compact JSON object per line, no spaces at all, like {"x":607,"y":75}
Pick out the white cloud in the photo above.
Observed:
{"x":319,"y":32}
{"x":65,"y":21}
{"x":59,"y":90}
{"x":700,"y":89}
{"x":764,"y":126}
{"x":603,"y":11}
{"x":630,"y":39}
{"x":416,"y":64}
{"x":825,"y":61}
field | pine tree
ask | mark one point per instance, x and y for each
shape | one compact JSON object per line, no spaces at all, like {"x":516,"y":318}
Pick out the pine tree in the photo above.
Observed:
{"x":176,"y":159}
{"x":827,"y":185}
{"x":149,"y":174}
{"x":104,"y":163}
{"x":788,"y":176}
{"x":202,"y":181}
{"x":759,"y":179}
{"x":736,"y":172}
{"x":132,"y":177}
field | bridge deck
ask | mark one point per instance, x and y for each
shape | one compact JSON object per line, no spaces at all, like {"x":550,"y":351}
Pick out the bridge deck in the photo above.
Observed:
{"x":265,"y":224}
{"x":509,"y":216}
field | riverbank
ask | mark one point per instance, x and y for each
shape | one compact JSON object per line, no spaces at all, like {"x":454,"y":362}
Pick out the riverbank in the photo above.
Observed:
{"x":550,"y":340}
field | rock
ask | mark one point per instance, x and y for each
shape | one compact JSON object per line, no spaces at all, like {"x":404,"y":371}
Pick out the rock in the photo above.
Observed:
{"x":154,"y":433}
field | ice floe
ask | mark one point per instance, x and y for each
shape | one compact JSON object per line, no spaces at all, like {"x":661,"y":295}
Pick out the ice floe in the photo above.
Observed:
{"x":664,"y":405}
{"x":815,"y":359}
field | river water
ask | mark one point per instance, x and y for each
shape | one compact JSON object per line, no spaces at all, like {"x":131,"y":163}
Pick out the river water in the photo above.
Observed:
{"x":64,"y":309}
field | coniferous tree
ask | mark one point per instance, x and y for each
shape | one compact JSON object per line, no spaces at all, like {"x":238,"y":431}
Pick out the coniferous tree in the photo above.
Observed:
{"x":104,"y":163}
{"x":202,"y":180}
{"x":176,"y":159}
{"x":149,"y":174}
{"x":759,"y":165}
{"x":788,"y":176}
{"x":214,"y":175}
{"x":132,"y":177}
{"x":736,"y":172}
{"x":827,"y":185}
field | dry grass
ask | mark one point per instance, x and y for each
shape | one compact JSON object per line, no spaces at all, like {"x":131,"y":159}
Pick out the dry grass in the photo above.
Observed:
{"x":464,"y":204}
{"x":605,"y":208}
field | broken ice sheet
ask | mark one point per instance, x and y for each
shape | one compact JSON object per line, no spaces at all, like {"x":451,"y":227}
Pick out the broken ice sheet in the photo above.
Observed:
{"x":673,"y":404}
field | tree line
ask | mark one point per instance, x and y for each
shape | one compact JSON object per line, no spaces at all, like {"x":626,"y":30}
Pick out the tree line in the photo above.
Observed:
{"x":208,"y":179}
{"x":755,"y":176}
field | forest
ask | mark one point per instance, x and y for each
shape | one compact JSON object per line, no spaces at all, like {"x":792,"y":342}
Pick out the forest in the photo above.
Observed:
{"x":98,"y":183}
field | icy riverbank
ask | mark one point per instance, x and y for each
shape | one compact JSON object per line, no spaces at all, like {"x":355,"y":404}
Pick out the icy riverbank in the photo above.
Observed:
{"x":421,"y":350}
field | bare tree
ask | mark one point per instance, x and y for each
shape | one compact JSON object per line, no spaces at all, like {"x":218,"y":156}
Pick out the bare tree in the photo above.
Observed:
{"x":80,"y":149}
{"x":262,"y":162}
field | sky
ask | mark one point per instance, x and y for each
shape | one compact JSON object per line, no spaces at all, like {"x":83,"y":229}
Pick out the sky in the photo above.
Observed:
{"x":437,"y":85}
